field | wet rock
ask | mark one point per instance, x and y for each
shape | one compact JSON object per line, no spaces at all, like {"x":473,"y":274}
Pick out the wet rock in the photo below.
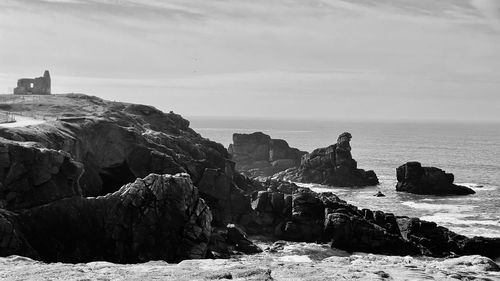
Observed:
{"x":414,"y":178}
{"x":379,"y":194}
{"x":226,"y":241}
{"x":237,"y":237}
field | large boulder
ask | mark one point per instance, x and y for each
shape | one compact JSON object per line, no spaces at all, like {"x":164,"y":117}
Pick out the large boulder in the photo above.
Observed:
{"x":32,"y":176}
{"x":160,"y":217}
{"x":258,"y":155}
{"x":414,"y":178}
{"x":332,"y":165}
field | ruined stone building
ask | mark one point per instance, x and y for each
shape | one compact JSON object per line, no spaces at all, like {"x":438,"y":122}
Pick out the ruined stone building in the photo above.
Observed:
{"x":34,"y":86}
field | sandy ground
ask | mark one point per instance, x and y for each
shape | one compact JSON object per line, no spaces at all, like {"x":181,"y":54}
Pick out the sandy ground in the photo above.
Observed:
{"x":22,"y":121}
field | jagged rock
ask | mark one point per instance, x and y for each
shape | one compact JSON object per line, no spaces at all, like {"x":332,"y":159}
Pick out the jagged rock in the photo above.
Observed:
{"x":31,"y":176}
{"x":414,"y":178}
{"x":158,"y":217}
{"x":439,"y":241}
{"x":12,"y":240}
{"x":323,"y":217}
{"x":259,"y":155}
{"x":237,"y":237}
{"x":379,"y":194}
{"x":117,"y":142}
{"x":230,"y":239}
{"x":332,"y":165}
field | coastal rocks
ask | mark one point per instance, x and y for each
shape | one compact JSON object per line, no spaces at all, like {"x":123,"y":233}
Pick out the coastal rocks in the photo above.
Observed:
{"x":31,"y":176}
{"x":158,"y":217}
{"x":307,"y":216}
{"x":414,"y":178}
{"x":332,"y":165}
{"x":12,"y":240}
{"x":258,"y":155}
{"x":438,"y":241}
{"x":230,"y":240}
{"x":117,"y":142}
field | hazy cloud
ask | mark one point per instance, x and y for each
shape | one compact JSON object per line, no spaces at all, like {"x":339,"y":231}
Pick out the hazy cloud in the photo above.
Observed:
{"x":371,"y":59}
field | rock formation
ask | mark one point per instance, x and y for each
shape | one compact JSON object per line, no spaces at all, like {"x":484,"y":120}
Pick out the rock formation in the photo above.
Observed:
{"x":158,"y":217}
{"x":332,"y":165}
{"x":32,"y":176}
{"x":414,"y":178}
{"x":69,"y":192}
{"x":304,"y":215}
{"x":257,"y":154}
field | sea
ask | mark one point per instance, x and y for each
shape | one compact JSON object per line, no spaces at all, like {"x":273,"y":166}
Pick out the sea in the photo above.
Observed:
{"x":471,"y":151}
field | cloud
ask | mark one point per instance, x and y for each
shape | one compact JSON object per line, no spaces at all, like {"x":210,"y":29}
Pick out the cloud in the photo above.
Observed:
{"x":248,"y":57}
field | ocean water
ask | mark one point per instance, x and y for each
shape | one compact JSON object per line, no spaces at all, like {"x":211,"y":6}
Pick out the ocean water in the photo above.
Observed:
{"x":470,"y":151}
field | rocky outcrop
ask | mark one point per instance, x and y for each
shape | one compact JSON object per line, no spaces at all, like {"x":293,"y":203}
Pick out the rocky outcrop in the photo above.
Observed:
{"x":230,"y":240}
{"x":96,"y":148}
{"x":257,"y":154}
{"x":304,"y":215}
{"x":32,"y":176}
{"x":119,"y":142}
{"x":332,"y":165}
{"x":414,"y":178}
{"x":158,"y":217}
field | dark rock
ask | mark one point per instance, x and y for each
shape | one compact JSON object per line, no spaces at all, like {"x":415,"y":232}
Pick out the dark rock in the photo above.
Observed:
{"x":32,"y":176}
{"x":12,"y":239}
{"x":353,"y":233}
{"x":158,"y":217}
{"x":259,"y":155}
{"x":237,"y":237}
{"x":332,"y":165}
{"x":379,"y":194}
{"x":414,"y":178}
{"x":438,"y":241}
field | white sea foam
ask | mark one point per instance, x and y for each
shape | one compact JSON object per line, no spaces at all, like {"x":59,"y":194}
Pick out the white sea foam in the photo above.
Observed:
{"x":475,"y":231}
{"x":430,"y":206}
{"x":461,"y":219}
{"x":479,"y":187}
{"x":295,"y":258}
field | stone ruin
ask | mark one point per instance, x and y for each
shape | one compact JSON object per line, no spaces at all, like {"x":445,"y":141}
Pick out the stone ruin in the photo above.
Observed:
{"x":34,"y":86}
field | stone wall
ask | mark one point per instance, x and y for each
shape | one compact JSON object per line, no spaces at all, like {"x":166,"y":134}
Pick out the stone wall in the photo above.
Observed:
{"x":34,"y":86}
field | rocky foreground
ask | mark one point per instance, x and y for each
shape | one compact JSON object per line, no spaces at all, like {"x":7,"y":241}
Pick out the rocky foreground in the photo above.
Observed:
{"x":127,"y":183}
{"x":289,"y":265}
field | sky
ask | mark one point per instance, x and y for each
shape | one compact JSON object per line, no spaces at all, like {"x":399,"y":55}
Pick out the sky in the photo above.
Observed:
{"x":390,"y":60}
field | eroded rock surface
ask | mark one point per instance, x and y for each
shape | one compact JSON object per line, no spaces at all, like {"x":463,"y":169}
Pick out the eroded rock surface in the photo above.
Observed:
{"x":257,"y":154}
{"x":414,"y":178}
{"x":31,"y":175}
{"x":332,"y":165}
{"x":158,"y":217}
